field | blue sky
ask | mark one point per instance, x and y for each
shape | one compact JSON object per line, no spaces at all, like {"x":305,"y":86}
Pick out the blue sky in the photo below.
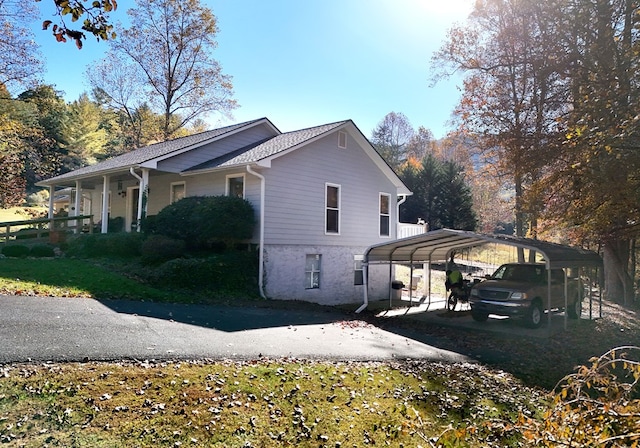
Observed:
{"x":303,"y":63}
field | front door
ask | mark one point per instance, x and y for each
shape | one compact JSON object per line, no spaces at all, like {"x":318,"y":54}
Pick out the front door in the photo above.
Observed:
{"x":133,"y":194}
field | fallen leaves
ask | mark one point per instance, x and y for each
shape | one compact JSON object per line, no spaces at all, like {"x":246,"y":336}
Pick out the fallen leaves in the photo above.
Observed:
{"x":288,"y":402}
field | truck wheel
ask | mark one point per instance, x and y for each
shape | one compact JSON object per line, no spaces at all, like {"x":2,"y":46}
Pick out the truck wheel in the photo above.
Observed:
{"x":479,"y":316}
{"x":534,"y":315}
{"x":575,"y":309}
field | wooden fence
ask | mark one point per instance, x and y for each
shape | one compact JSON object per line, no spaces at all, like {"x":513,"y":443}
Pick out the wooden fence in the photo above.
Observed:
{"x":53,"y":228}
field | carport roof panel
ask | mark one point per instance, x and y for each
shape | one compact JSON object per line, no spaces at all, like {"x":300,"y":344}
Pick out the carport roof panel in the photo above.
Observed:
{"x":438,"y":244}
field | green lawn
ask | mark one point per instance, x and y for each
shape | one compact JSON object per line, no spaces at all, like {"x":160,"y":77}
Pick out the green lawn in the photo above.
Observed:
{"x":63,"y":277}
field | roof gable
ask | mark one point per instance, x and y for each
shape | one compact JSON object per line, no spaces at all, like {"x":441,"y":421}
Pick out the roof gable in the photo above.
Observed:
{"x":268,"y":148}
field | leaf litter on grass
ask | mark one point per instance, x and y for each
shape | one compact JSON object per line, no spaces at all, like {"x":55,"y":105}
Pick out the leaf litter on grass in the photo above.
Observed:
{"x":287,"y":402}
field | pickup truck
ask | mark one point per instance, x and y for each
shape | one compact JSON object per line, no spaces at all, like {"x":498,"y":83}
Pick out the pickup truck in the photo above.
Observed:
{"x":521,"y":290}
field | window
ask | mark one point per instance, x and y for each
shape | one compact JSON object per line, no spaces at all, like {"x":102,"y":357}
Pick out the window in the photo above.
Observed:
{"x":385,"y":216}
{"x":177,"y":192}
{"x":342,"y":140}
{"x":235,"y":186}
{"x":312,"y":271}
{"x":332,"y":213}
{"x":358,"y":270}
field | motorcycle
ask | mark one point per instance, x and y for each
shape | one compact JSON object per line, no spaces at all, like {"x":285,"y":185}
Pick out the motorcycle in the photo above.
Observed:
{"x":460,"y":294}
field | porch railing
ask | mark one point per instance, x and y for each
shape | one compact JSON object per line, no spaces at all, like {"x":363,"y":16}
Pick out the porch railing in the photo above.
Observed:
{"x":406,"y":230}
{"x":45,"y":227}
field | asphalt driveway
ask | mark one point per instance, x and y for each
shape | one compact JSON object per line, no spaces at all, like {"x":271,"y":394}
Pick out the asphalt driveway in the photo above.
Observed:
{"x":62,"y":329}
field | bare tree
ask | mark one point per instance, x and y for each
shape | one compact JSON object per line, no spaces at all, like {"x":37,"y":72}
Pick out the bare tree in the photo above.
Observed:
{"x":391,"y":137}
{"x":20,"y":63}
{"x":170,"y":47}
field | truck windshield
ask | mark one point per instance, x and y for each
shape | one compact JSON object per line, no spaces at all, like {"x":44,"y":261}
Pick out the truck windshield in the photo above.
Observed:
{"x":519,"y":273}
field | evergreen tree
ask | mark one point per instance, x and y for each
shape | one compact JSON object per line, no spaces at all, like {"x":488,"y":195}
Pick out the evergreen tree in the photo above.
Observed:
{"x":441,"y":195}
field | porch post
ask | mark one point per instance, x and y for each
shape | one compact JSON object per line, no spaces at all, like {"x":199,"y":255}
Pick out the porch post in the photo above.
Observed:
{"x":143,"y":197}
{"x":77,"y":207}
{"x":52,"y":192}
{"x":105,"y":204}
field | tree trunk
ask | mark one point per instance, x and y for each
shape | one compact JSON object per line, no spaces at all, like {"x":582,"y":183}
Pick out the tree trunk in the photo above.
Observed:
{"x":617,"y":281}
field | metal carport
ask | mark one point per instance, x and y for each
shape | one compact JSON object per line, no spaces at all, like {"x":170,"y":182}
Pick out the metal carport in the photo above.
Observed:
{"x":438,"y":245}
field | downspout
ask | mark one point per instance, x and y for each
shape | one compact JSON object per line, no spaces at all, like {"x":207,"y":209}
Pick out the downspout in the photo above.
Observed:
{"x":402,"y":201}
{"x":261,"y":250}
{"x":141,"y":192}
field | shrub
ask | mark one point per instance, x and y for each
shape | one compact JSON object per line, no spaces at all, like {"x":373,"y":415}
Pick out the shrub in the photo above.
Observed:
{"x":201,"y":221}
{"x":158,"y":248}
{"x":148,"y":225}
{"x":116,"y":224}
{"x":124,"y":245}
{"x":42,"y":250}
{"x":598,"y":405}
{"x":15,"y":250}
{"x":230,"y":271}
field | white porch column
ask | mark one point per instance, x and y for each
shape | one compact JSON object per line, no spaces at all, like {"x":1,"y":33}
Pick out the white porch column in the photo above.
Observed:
{"x":76,"y":206}
{"x":105,"y":204}
{"x":52,"y":191}
{"x":143,"y":197}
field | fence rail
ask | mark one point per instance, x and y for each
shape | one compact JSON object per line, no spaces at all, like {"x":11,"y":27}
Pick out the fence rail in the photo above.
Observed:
{"x":53,"y":228}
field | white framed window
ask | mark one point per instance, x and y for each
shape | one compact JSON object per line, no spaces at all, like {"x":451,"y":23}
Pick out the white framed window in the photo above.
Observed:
{"x":342,"y":140}
{"x":332,"y":209}
{"x":358,"y":270}
{"x":178,"y":190}
{"x":385,"y":214}
{"x":312,"y":271}
{"x":235,"y":185}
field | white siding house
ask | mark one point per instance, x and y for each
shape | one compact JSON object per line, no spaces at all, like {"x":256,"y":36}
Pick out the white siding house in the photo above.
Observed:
{"x":322,"y":196}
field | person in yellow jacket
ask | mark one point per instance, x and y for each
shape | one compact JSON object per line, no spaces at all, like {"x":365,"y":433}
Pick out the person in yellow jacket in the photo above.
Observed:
{"x":453,"y":280}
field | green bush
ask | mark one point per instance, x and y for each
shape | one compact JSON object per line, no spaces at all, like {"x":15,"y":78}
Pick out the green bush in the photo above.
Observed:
{"x":116,"y":225}
{"x":148,"y":225}
{"x":230,"y":271}
{"x":16,"y":250}
{"x":97,"y":245}
{"x":202,"y":221}
{"x":157,"y":249}
{"x":42,"y":250}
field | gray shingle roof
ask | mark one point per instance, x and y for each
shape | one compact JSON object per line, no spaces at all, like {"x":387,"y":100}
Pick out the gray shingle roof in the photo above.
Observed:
{"x":267,"y":148}
{"x":147,"y":153}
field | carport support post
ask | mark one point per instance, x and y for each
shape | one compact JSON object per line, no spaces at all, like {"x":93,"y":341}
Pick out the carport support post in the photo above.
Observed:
{"x":390,"y":285}
{"x":411,"y":284}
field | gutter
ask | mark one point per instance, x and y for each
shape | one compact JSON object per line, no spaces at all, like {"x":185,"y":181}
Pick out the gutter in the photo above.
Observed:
{"x":261,"y":250}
